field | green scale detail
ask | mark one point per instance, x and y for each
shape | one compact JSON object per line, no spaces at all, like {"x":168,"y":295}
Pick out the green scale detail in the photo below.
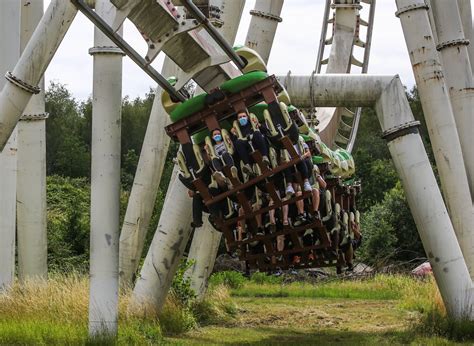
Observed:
{"x":188,"y":107}
{"x":242,"y":82}
{"x":197,"y":103}
{"x":317,"y":160}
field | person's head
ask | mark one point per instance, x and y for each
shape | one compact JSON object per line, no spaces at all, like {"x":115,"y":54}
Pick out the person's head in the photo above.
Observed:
{"x":217,"y":135}
{"x":242,"y":117}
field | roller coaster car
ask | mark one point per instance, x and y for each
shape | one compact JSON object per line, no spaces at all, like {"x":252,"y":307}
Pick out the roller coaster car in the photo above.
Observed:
{"x":315,"y":243}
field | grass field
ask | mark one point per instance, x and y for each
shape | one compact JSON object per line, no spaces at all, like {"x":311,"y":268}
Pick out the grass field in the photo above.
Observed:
{"x":381,"y":310}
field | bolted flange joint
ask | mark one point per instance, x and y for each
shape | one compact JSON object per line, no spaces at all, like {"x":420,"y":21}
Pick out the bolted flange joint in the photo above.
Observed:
{"x":412,"y":8}
{"x":22,"y":84}
{"x":355,"y":6}
{"x":455,"y":43}
{"x":106,"y":50}
{"x":410,"y":127}
{"x":34,"y":117}
{"x":266,"y":15}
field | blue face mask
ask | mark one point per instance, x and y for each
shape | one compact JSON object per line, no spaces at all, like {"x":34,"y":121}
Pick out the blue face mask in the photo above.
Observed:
{"x":243,"y":121}
{"x":217,"y":138}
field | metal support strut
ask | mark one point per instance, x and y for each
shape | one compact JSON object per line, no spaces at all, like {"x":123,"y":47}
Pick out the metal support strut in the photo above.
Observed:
{"x":127,"y":49}
{"x":201,"y":18}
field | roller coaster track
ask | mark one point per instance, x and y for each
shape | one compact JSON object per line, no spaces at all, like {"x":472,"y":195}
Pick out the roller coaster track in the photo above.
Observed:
{"x":338,"y":126}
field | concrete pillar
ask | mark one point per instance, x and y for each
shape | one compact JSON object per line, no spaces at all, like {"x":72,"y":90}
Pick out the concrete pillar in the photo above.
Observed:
{"x":23,"y":81}
{"x":465,"y":9}
{"x":9,"y":53}
{"x":425,"y":201}
{"x":105,"y":179}
{"x":166,"y":249}
{"x":440,"y":121}
{"x":453,"y":48}
{"x":31,"y":177}
{"x":263,"y":25}
{"x":203,"y":253}
{"x":145,"y":185}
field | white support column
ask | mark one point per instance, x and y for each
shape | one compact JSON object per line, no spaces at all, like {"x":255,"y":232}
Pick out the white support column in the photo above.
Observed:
{"x":425,"y":200}
{"x":23,"y":81}
{"x":145,"y":185}
{"x":9,"y":53}
{"x":203,"y":252}
{"x":453,"y":48}
{"x":105,"y":179}
{"x":465,"y":9}
{"x":440,"y":121}
{"x":262,"y":30}
{"x":31,"y":178}
{"x":166,"y":249}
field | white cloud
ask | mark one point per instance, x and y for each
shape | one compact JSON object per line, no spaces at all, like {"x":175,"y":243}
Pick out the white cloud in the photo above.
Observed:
{"x":295,"y":48}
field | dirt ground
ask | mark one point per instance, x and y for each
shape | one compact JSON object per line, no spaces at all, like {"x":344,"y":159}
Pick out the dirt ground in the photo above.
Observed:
{"x":296,"y":321}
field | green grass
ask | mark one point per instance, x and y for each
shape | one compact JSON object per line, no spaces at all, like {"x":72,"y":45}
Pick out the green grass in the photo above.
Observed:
{"x":381,"y":287}
{"x":381,"y":310}
{"x":56,"y":312}
{"x":56,"y":333}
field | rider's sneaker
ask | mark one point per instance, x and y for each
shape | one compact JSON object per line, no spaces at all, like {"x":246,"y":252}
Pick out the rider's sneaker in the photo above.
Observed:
{"x":220,"y":179}
{"x":307,"y":186}
{"x":235,"y":173}
{"x":300,"y":219}
{"x":290,"y":191}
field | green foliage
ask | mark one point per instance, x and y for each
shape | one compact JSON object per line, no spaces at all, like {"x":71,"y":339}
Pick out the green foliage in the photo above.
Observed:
{"x":68,"y":203}
{"x":67,"y":153}
{"x":230,"y":279}
{"x":390,"y":231}
{"x":264,"y":278}
{"x":69,"y":133}
{"x":181,"y":285}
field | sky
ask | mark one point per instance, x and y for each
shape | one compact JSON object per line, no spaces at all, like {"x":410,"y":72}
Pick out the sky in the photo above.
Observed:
{"x":294,"y":49}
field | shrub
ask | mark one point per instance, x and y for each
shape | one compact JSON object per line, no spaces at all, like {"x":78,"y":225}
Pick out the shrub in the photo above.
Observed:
{"x":230,"y":279}
{"x":68,"y":202}
{"x":181,"y":285}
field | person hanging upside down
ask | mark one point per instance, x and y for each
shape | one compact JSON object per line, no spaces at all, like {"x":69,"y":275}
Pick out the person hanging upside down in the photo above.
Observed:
{"x":252,"y":139}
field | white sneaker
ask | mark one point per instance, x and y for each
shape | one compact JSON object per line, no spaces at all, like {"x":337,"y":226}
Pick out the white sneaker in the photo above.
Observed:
{"x":290,"y":191}
{"x":307,"y":186}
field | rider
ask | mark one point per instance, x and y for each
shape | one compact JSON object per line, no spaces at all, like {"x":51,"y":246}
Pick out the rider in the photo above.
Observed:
{"x":255,"y":139}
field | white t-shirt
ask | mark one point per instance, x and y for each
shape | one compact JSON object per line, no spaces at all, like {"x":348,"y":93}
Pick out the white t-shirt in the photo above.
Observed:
{"x":220,"y":148}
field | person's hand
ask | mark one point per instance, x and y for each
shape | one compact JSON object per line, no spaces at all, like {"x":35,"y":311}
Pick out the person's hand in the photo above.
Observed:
{"x":307,"y":154}
{"x":233,"y":130}
{"x":190,"y":193}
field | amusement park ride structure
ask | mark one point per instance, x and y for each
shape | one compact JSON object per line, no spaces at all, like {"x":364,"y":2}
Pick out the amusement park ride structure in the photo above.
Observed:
{"x":196,"y":47}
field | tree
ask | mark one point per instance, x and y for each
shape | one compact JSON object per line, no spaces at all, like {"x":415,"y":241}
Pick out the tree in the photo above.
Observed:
{"x":67,"y":153}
